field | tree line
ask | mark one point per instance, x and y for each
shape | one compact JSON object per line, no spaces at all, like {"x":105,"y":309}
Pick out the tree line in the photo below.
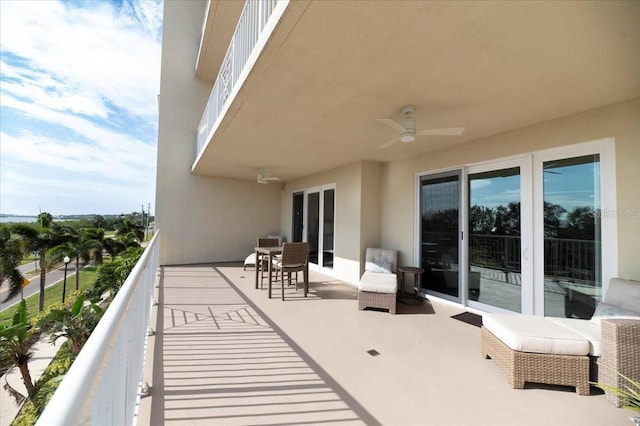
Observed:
{"x":51,"y":241}
{"x":579,"y":223}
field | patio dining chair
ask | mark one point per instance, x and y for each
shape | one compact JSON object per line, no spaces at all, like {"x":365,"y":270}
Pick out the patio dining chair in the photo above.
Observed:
{"x":263,"y":260}
{"x":250,"y":260}
{"x":294,"y":258}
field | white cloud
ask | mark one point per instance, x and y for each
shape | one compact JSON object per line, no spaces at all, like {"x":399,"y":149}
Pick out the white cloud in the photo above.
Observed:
{"x":96,"y":52}
{"x":477,"y":184}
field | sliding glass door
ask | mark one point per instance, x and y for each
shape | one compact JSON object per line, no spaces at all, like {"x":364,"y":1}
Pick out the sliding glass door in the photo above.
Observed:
{"x":495,"y":212}
{"x":525,"y":234}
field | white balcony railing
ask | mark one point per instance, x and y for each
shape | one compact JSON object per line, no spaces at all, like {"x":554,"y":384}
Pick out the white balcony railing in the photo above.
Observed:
{"x":102,"y":386}
{"x":256,"y":23}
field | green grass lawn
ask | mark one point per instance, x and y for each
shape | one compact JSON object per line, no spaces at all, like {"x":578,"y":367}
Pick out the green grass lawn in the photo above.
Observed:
{"x":53,"y":294}
{"x":27,"y":259}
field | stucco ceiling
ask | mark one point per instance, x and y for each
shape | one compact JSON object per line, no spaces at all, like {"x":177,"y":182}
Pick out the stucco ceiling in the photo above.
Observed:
{"x":332,"y":67}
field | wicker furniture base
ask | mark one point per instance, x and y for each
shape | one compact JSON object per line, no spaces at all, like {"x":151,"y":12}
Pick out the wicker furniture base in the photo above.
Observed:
{"x":521,"y":367}
{"x":620,"y":354}
{"x":368,"y":299}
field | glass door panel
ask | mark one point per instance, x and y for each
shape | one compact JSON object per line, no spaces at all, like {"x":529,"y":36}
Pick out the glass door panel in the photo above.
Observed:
{"x":439,"y":233}
{"x":495,"y":267}
{"x":313,"y":225}
{"x":328,"y":227}
{"x":572,"y":236}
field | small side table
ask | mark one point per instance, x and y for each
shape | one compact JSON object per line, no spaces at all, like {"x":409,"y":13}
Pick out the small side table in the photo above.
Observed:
{"x":417,"y":272}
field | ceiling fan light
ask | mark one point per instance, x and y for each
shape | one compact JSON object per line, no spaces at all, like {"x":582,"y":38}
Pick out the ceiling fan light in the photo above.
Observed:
{"x":407,"y":138}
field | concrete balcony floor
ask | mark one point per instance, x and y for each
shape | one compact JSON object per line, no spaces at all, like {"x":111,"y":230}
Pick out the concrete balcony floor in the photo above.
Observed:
{"x":226,"y":354}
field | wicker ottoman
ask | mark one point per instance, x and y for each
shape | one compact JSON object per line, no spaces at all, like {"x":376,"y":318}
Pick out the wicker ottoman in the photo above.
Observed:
{"x":535,"y":357}
{"x":367,"y":299}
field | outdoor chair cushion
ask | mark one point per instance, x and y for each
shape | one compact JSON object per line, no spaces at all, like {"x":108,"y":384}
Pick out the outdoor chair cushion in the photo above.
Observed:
{"x":379,"y":282}
{"x":607,"y":311}
{"x":250,"y":260}
{"x":535,"y":334}
{"x":624,"y":294}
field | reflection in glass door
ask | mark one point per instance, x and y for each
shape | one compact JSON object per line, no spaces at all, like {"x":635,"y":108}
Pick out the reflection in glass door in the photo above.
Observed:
{"x":439,"y":231}
{"x":495,"y":267}
{"x":572,"y":236}
{"x":297,"y":217}
{"x":328,"y":227}
{"x":313,"y":225}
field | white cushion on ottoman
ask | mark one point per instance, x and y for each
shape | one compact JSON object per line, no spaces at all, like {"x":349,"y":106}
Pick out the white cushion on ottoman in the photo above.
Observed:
{"x":584,"y":328}
{"x":529,"y":333}
{"x":378,"y":282}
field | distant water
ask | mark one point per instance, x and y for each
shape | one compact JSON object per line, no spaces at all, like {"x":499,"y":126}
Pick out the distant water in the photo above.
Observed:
{"x":22,"y":219}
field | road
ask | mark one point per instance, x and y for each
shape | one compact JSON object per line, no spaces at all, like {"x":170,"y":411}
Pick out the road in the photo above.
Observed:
{"x":53,"y":276}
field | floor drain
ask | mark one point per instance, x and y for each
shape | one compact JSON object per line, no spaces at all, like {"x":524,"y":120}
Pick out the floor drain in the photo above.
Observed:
{"x":373,"y":352}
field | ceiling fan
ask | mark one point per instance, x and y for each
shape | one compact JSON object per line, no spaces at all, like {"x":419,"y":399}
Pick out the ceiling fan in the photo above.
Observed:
{"x":264,"y":176}
{"x":408,"y":130}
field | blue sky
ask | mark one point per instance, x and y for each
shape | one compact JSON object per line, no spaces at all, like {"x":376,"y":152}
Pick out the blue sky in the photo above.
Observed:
{"x":79,"y":82}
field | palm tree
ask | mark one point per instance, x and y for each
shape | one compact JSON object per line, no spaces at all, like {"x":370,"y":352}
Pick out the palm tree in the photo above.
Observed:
{"x":15,"y":343}
{"x":128,"y":232}
{"x":41,"y":239}
{"x":113,"y":247}
{"x":93,"y":239}
{"x":11,"y":251}
{"x":75,"y":324}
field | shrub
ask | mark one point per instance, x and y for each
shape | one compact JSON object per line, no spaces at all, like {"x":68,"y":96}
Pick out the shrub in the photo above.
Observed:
{"x":112,"y":275}
{"x":46,"y":387}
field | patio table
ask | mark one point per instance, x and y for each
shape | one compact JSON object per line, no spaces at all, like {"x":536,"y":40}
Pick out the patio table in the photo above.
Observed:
{"x":270,"y":251}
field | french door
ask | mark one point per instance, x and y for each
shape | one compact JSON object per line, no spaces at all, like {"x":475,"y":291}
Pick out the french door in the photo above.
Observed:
{"x":319,"y":225}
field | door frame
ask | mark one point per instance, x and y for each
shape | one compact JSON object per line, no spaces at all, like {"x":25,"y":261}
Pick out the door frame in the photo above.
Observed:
{"x":526,"y":231}
{"x":460,"y":172}
{"x":532,"y":163}
{"x":605,"y":148}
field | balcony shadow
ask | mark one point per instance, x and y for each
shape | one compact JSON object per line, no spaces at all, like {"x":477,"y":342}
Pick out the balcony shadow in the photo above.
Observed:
{"x":223,"y":360}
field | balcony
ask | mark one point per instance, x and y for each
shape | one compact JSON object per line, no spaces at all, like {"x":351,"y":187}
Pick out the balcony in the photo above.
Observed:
{"x":223,"y":353}
{"x":255,"y":25}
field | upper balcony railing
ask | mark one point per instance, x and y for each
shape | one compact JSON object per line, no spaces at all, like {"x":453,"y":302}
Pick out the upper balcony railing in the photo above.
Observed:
{"x":103,"y":385}
{"x":257,"y":21}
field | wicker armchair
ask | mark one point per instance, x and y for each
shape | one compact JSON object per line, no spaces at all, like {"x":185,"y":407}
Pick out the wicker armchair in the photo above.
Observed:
{"x":294,"y":258}
{"x":379,"y":283}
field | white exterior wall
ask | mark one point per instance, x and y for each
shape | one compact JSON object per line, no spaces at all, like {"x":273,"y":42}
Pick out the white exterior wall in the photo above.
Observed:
{"x":357,"y":218}
{"x":203,"y":219}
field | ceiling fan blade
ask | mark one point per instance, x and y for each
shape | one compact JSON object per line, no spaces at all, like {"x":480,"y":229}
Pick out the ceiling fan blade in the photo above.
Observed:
{"x":270,"y":178}
{"x":390,"y":123}
{"x":388,"y":144}
{"x":453,"y":131}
